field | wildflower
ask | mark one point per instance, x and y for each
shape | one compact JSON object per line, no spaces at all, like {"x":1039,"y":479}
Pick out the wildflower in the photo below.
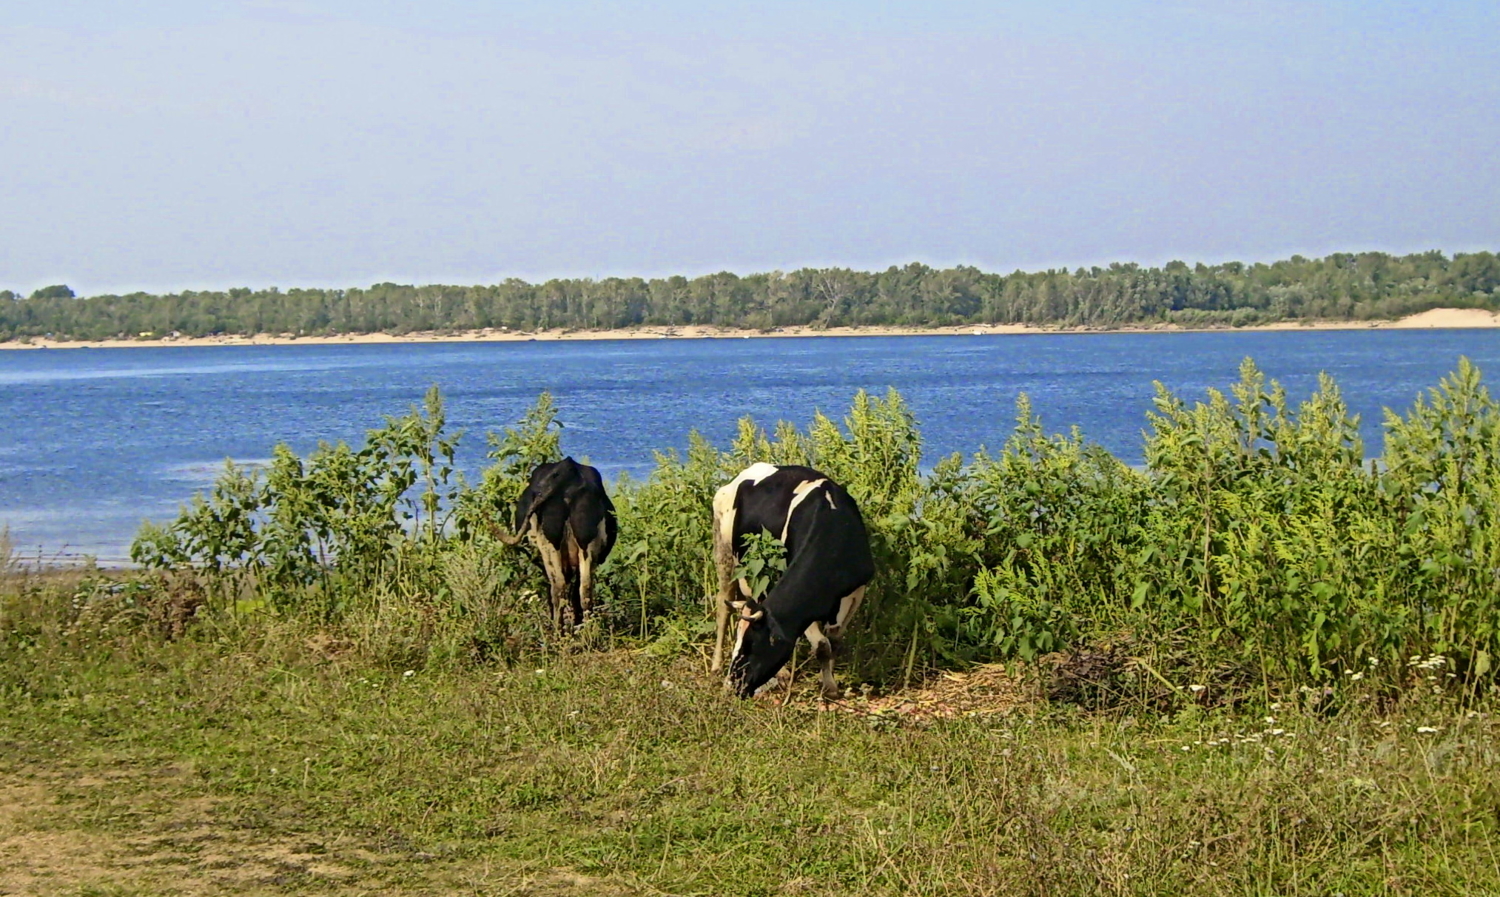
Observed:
{"x":408,"y":674}
{"x":1426,"y":730}
{"x":1195,"y":689}
{"x":1355,"y":677}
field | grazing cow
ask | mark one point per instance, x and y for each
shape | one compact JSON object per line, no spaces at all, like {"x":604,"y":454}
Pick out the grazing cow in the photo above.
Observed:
{"x":571,"y":522}
{"x":828,"y":564}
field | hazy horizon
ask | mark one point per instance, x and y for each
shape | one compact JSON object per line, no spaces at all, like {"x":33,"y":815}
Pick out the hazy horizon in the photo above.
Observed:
{"x":332,"y":144}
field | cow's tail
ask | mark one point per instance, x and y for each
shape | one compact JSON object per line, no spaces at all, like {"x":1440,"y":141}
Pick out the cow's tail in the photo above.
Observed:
{"x":525,"y":505}
{"x":502,"y":535}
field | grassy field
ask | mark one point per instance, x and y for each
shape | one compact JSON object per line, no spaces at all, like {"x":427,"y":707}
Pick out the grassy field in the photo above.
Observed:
{"x":271,"y":756}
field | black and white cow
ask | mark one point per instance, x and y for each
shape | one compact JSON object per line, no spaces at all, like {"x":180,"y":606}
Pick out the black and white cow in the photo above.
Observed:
{"x":828,"y":564}
{"x":571,"y":521}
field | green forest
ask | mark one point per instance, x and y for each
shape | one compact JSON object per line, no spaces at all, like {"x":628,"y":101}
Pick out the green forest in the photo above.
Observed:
{"x":1341,"y":286}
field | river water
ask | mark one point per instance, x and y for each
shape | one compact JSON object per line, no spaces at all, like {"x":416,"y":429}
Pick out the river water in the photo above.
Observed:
{"x":94,"y":441}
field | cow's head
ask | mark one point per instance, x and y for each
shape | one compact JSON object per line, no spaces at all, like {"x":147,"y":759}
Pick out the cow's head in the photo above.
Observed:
{"x":761,"y":648}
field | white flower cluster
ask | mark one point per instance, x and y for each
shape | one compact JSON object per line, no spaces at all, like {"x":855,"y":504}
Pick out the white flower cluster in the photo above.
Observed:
{"x":1430,"y":667}
{"x":1270,"y":731}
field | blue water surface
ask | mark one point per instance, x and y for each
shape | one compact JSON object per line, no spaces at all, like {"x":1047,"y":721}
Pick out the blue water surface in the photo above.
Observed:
{"x":94,"y":441}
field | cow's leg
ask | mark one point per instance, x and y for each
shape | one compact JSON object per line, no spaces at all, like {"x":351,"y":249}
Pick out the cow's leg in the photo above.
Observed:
{"x":826,"y":643}
{"x":570,"y":557}
{"x":847,"y":607}
{"x":557,"y":578}
{"x":575,"y":600}
{"x":558,"y":590}
{"x":823,"y":651}
{"x":585,"y":586}
{"x":587,"y":558}
{"x":724,"y":565}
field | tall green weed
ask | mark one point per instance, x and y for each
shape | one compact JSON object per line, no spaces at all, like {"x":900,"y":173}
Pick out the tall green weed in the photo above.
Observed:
{"x":1257,"y":551}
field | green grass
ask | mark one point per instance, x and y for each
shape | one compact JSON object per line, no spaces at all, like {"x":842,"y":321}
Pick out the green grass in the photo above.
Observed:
{"x":275,"y":758}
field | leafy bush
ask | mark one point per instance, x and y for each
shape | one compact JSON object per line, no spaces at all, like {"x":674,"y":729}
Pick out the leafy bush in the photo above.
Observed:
{"x":1256,"y":550}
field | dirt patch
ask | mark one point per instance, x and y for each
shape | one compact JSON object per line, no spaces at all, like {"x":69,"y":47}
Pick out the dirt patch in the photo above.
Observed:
{"x":191,"y":848}
{"x":186,"y":850}
{"x":985,"y":690}
{"x":565,"y":883}
{"x":37,"y":859}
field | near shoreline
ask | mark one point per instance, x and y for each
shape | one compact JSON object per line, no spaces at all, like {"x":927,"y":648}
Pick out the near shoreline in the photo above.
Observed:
{"x":1437,"y":318}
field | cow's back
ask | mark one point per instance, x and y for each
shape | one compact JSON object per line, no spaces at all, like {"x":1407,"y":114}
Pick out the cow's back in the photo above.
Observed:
{"x":764,"y":504}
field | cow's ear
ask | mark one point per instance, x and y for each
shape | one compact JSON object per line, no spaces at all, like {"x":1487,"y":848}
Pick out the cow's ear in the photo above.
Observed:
{"x":748,"y":610}
{"x":778,"y":634}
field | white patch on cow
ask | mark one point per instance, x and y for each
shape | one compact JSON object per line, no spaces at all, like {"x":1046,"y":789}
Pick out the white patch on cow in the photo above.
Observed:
{"x":757,"y":472}
{"x":803,"y":490}
{"x":829,"y":495}
{"x":740,"y":628}
{"x":724,"y":510}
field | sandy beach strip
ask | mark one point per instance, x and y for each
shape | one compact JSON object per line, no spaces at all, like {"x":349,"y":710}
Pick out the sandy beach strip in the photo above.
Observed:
{"x":1438,"y":318}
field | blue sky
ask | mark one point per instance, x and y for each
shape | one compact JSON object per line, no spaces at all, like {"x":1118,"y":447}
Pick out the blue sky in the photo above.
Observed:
{"x":182,"y":145}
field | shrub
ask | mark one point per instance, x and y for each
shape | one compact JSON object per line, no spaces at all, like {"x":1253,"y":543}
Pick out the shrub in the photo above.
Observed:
{"x":1256,"y":549}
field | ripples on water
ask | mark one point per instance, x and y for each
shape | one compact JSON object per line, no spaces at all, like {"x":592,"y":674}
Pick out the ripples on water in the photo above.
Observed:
{"x":94,"y":441}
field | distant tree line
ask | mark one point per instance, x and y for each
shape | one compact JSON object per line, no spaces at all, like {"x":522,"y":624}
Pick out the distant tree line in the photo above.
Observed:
{"x":1344,"y":286}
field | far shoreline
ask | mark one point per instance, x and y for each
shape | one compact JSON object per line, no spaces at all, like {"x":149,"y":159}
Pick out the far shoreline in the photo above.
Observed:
{"x":1435,"y":319}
